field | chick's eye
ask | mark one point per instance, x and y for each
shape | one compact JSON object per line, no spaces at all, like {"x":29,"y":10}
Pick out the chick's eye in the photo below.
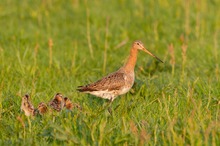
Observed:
{"x":138,"y":44}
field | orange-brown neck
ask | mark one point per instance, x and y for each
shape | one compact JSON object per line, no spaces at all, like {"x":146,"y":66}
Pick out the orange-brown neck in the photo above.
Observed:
{"x":131,"y":62}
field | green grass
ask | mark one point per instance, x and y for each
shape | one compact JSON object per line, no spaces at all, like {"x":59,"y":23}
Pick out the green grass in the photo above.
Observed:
{"x":174,"y":103}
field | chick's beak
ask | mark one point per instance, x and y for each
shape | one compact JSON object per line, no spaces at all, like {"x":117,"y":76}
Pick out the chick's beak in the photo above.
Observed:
{"x":148,"y":52}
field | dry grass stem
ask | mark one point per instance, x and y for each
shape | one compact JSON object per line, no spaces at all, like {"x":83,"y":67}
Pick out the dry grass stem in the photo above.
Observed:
{"x":172,"y":57}
{"x":106,"y":44}
{"x":50,"y":45}
{"x":88,"y":32}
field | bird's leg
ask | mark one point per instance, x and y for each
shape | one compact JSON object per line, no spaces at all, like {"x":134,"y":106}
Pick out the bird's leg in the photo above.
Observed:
{"x":109,"y":105}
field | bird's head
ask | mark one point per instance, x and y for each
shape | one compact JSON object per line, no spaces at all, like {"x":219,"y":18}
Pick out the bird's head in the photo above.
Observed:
{"x":26,"y":97}
{"x":140,"y":46}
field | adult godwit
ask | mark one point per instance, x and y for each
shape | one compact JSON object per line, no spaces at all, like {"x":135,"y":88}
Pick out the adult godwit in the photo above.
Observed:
{"x":119,"y":82}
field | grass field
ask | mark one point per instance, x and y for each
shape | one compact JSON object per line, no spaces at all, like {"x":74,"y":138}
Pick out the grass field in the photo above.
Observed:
{"x":54,"y":46}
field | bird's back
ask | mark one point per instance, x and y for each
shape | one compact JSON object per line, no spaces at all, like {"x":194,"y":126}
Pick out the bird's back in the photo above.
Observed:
{"x":113,"y":81}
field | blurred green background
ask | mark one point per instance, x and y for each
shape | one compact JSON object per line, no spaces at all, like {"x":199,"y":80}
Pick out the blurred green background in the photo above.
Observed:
{"x":50,"y":46}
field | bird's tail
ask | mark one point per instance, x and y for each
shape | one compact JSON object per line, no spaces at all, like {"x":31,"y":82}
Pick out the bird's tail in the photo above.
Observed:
{"x":85,"y":89}
{"x":81,"y":88}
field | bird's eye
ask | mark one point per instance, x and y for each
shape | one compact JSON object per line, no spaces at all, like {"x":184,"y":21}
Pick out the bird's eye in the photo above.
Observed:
{"x":138,"y":44}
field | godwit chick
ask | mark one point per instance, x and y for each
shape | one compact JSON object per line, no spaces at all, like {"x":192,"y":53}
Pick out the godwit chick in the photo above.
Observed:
{"x":57,"y":102}
{"x":119,"y":82}
{"x":42,"y":108}
{"x":69,"y":105}
{"x":26,"y":105}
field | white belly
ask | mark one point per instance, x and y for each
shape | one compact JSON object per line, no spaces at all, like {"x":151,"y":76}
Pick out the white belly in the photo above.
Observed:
{"x":124,"y":90}
{"x":104,"y":94}
{"x":110,"y":94}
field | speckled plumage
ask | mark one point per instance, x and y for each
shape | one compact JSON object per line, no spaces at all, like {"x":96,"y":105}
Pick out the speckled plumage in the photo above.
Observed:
{"x":119,"y":82}
{"x":27,"y":106}
{"x":110,"y":86}
{"x":57,"y":102}
{"x":42,"y":108}
{"x":67,"y":103}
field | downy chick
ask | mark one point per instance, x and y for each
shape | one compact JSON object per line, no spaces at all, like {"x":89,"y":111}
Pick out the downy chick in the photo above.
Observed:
{"x":26,"y":106}
{"x":57,"y":102}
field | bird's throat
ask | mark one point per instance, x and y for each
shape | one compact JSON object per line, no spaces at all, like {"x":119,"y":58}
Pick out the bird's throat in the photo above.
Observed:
{"x":131,"y":62}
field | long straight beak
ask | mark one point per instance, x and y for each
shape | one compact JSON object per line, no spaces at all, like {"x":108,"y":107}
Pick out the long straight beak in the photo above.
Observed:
{"x":145,"y":50}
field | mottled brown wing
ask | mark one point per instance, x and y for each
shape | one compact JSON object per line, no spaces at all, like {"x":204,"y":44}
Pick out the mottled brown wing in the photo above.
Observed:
{"x":111,"y":82}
